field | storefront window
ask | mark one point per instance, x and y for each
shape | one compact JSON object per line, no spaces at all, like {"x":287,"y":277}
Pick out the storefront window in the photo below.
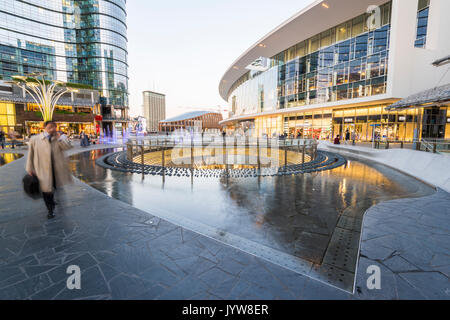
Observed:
{"x":7,"y":117}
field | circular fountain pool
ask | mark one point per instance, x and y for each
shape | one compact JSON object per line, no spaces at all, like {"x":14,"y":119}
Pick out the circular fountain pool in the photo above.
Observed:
{"x":307,"y":222}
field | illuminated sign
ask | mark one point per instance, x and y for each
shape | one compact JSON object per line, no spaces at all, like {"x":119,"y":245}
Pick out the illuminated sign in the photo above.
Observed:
{"x":348,"y":120}
{"x":401,"y":118}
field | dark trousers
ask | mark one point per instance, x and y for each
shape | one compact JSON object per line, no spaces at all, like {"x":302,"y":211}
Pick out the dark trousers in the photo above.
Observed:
{"x":49,"y":199}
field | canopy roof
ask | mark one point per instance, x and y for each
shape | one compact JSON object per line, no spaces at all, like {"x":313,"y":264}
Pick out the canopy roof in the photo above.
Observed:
{"x":187,"y":116}
{"x":428,"y":97}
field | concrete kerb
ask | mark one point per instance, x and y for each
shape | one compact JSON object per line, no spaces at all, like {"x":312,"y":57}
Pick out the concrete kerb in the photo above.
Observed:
{"x":430,"y":169}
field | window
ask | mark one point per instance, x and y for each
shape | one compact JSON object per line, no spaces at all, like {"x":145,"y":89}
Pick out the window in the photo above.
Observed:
{"x":358,"y":26}
{"x":422,"y":23}
{"x":314,"y":43}
{"x":7,"y":117}
{"x":343,"y":31}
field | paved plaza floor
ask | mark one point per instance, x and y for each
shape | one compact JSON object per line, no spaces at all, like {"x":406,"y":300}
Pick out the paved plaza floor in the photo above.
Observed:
{"x":125,"y":253}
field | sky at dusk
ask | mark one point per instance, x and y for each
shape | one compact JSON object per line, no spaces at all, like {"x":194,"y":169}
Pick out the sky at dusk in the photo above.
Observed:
{"x":182,"y":48}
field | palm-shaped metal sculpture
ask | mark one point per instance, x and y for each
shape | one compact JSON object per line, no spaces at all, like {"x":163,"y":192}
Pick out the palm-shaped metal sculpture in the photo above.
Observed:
{"x":45,"y":93}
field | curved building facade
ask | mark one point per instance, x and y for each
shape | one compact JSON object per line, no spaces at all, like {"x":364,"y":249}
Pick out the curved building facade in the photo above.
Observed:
{"x":335,"y":66}
{"x":79,"y":41}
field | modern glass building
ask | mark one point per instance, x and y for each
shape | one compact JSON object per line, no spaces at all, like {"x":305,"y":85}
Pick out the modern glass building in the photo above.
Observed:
{"x":195,"y":121}
{"x":335,"y":66}
{"x":77,"y":41}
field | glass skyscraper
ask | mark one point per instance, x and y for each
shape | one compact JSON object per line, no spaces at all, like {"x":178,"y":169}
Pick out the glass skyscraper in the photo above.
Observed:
{"x":77,"y":41}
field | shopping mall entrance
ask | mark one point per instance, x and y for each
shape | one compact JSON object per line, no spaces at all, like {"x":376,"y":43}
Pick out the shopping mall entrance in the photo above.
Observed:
{"x":434,"y":122}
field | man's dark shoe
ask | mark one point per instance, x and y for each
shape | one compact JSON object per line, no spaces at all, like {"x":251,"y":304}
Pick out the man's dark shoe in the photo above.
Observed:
{"x":50,"y":215}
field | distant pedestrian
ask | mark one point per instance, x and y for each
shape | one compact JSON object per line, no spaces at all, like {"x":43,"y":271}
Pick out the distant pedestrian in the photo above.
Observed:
{"x":353,"y":138}
{"x":337,"y":140}
{"x":46,"y":161}
{"x":2,"y":139}
{"x":84,"y":140}
{"x":12,"y":137}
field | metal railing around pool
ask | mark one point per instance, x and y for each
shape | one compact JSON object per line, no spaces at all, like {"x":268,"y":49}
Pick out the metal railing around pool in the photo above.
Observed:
{"x":139,"y":147}
{"x":440,"y":146}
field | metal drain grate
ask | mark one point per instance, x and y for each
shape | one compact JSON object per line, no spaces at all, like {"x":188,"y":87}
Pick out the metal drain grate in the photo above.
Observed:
{"x":342,"y":251}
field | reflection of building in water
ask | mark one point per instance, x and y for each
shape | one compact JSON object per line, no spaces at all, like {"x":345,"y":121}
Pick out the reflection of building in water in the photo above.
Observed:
{"x":340,"y":73}
{"x":271,"y":217}
{"x":6,"y":158}
{"x":114,"y":184}
{"x":358,"y":172}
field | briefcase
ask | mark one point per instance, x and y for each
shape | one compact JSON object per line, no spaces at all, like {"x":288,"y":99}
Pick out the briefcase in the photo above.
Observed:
{"x":31,"y":186}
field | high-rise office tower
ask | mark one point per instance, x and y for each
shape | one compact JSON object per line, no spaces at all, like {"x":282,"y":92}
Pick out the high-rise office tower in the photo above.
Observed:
{"x":154,"y":109}
{"x":77,"y":41}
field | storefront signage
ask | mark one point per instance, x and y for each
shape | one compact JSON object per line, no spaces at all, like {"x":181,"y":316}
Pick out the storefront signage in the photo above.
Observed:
{"x":349,"y":120}
{"x":401,"y":118}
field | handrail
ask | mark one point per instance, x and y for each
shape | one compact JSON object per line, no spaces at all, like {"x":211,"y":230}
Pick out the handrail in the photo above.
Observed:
{"x":166,"y":143}
{"x":435,"y":147}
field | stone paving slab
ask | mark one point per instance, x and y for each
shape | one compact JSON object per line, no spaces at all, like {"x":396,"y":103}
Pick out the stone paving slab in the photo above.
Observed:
{"x":409,"y":239}
{"x":125,"y":253}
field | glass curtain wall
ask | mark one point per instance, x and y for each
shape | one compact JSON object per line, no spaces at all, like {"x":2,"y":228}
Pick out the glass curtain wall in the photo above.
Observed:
{"x":368,"y":122}
{"x":256,"y":95}
{"x":81,"y":41}
{"x":345,"y":62}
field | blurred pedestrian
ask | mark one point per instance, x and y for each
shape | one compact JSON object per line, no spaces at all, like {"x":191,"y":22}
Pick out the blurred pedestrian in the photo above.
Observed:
{"x":12,"y":137}
{"x":353,"y":138}
{"x":46,"y":161}
{"x":2,"y":139}
{"x":347,"y":136}
{"x":84,"y":140}
{"x":337,"y":140}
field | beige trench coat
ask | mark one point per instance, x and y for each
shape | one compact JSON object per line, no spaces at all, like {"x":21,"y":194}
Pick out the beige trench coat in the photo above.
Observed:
{"x":39,"y":161}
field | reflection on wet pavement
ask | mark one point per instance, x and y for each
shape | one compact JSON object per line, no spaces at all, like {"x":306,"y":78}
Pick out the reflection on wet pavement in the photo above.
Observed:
{"x":6,"y":158}
{"x":315,"y":217}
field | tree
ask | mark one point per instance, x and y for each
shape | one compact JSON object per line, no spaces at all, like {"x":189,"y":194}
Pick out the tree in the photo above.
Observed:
{"x":45,"y":93}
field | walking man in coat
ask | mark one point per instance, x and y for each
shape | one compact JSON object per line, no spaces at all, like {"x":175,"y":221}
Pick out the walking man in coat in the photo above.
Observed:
{"x":46,"y":161}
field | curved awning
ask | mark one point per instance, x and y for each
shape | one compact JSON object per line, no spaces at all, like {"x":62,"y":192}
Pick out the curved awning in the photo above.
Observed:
{"x":435,"y":96}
